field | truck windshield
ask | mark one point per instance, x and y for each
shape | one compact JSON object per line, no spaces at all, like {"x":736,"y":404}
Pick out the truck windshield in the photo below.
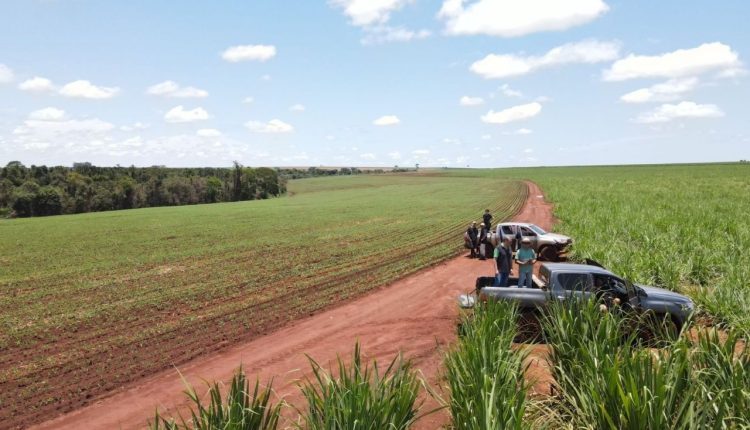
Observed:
{"x":537,"y":229}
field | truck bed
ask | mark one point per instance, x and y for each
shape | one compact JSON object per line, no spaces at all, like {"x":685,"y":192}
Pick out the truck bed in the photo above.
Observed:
{"x":526,"y":297}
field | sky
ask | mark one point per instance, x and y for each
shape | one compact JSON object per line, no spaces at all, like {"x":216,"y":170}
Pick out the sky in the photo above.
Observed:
{"x":478,"y":83}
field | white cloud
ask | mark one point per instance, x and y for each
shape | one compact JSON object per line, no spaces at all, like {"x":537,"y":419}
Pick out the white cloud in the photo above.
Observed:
{"x":208,"y":132}
{"x":248,"y":100}
{"x":387,"y":120}
{"x":680,"y":63}
{"x":179,"y":114}
{"x":510,"y":92}
{"x":173,"y":89}
{"x":367,"y":156}
{"x":47,"y":127}
{"x":136,"y":126}
{"x":239,"y":53}
{"x":419,"y":152}
{"x":385,"y":34}
{"x":470,"y":101}
{"x":37,"y":85}
{"x":522,"y":131}
{"x":495,"y":66}
{"x":669,"y":112}
{"x":6,"y":74}
{"x":395,"y":155}
{"x":736,"y":72}
{"x":265,"y":78}
{"x":512,"y":18}
{"x":515,"y":113}
{"x":368,"y":12}
{"x":297,"y":108}
{"x":486,"y":137}
{"x":272,"y":126}
{"x":666,"y":91}
{"x":87,"y":90}
{"x":47,"y":114}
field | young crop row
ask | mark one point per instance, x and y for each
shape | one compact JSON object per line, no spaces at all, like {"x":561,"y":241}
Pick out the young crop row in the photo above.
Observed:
{"x":185,"y":281}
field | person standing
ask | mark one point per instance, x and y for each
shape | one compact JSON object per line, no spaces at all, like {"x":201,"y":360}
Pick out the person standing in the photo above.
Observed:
{"x":503,"y":263}
{"x":487,"y":218}
{"x":525,"y":258}
{"x":470,"y":237}
{"x":483,"y":241}
{"x":475,"y":236}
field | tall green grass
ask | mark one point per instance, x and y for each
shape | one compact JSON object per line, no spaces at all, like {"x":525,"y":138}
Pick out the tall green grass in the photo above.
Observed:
{"x":361,"y":396}
{"x":485,"y":373}
{"x":681,"y":227}
{"x":607,"y":379}
{"x":242,"y":409}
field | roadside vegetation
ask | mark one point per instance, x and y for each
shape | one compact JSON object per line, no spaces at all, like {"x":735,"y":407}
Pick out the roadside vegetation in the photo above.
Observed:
{"x":356,"y":395}
{"x":86,"y":298}
{"x":485,"y":374}
{"x":606,"y":377}
{"x":680,"y":227}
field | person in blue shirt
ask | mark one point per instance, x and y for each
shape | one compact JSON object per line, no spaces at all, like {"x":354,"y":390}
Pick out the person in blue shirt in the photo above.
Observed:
{"x":525,"y":258}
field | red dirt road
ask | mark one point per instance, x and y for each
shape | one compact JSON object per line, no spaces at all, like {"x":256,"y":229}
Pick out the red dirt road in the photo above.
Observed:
{"x":415,"y":315}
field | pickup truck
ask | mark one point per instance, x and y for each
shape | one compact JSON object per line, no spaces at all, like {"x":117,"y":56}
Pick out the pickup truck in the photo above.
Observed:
{"x":559,"y":281}
{"x":548,"y":246}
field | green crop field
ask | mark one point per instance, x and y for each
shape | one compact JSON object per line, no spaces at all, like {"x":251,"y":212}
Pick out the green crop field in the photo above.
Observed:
{"x":92,"y":301}
{"x":682,"y":227}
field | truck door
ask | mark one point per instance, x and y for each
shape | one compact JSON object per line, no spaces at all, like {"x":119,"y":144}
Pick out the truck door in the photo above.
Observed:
{"x":578,"y":285}
{"x":530,"y":234}
{"x":607,"y":288}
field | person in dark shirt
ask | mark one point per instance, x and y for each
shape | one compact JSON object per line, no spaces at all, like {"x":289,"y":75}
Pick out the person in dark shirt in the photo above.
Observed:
{"x":487,"y":218}
{"x":475,"y":232}
{"x":482,"y":248}
{"x":471,"y":238}
{"x":503,"y":263}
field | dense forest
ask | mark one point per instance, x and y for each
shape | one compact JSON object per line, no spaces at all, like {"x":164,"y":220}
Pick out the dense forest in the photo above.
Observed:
{"x":41,"y":190}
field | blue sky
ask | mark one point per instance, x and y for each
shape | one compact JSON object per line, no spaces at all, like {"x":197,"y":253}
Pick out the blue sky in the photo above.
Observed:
{"x":480,"y":83}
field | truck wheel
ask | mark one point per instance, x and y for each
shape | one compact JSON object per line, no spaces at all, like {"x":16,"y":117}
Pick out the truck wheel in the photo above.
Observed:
{"x":548,"y":253}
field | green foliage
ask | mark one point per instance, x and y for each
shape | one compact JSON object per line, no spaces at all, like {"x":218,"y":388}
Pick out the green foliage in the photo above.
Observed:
{"x":242,"y":409}
{"x":607,"y":380}
{"x":42,"y":190}
{"x":668,"y":226}
{"x":485,"y":374}
{"x":681,"y":227}
{"x":361,"y":396}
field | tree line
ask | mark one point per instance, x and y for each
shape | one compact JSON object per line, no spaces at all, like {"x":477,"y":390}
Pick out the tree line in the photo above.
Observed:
{"x":42,"y":190}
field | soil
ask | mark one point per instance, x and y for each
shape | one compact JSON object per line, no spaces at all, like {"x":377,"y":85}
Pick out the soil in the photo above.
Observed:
{"x":416,"y":316}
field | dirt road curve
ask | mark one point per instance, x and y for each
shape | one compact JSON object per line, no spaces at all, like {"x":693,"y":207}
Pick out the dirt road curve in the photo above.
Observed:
{"x":415,"y":315}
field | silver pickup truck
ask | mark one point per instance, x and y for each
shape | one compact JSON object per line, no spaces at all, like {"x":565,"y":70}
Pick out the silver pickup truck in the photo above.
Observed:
{"x":558,"y":281}
{"x":548,"y":246}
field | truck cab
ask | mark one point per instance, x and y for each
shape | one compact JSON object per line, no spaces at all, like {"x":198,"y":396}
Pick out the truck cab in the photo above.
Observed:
{"x":561,"y":281}
{"x":548,"y":246}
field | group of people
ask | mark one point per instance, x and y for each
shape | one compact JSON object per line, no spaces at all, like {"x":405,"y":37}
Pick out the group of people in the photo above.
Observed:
{"x":481,"y":242}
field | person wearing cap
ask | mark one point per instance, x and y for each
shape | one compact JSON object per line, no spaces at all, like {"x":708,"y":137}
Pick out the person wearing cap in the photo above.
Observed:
{"x":525,"y":258}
